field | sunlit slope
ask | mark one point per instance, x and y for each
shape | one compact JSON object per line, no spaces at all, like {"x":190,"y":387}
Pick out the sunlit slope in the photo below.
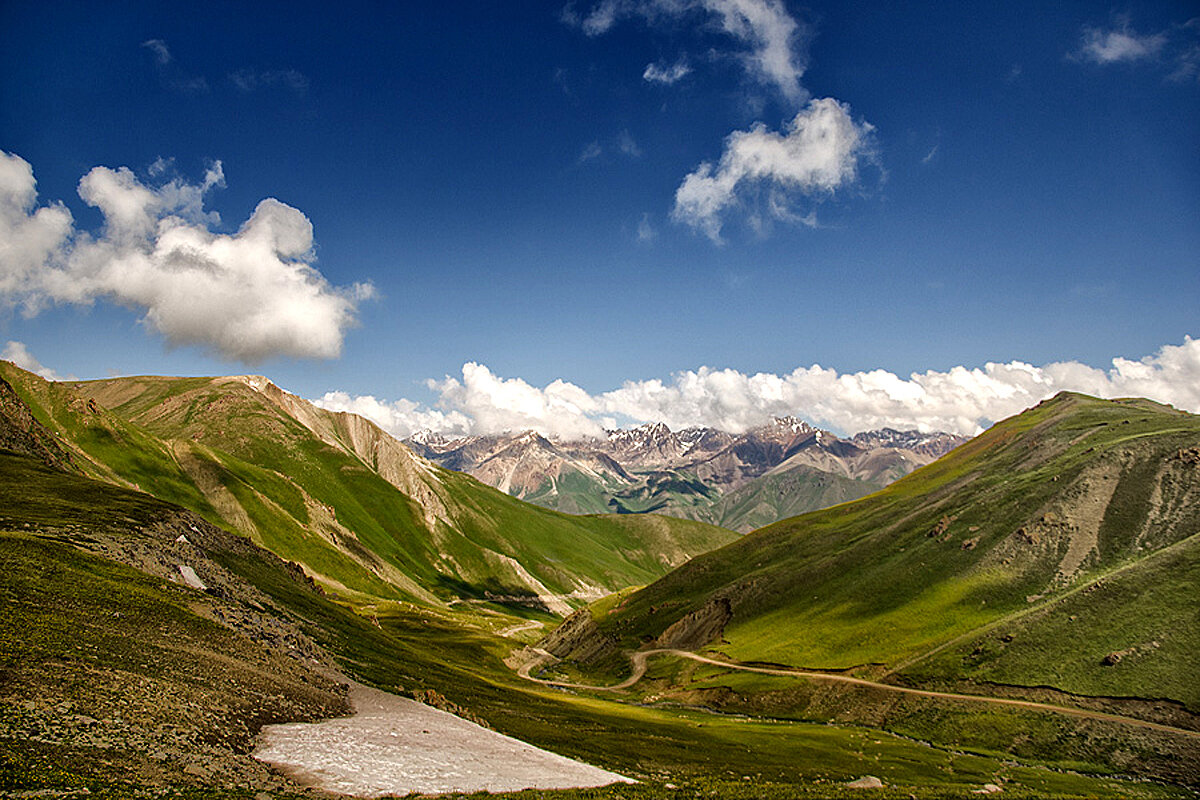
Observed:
{"x":1058,"y":537}
{"x":113,"y":667}
{"x":784,"y":494}
{"x":335,"y":493}
{"x":120,"y":679}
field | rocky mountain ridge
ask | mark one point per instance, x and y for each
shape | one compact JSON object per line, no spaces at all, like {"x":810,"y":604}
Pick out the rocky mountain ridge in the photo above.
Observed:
{"x":696,"y":472}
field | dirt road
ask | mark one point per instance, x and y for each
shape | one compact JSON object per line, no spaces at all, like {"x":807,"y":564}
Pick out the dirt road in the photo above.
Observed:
{"x":639,"y":658}
{"x":513,"y":630}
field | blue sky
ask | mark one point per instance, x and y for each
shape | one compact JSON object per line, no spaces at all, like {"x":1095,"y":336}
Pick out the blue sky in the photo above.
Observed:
{"x":905,"y":188}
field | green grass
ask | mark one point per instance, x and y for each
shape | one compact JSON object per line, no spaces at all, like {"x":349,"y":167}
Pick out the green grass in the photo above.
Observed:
{"x":270,"y":470}
{"x":64,"y":639}
{"x":416,"y":650}
{"x":1149,"y":609}
{"x":777,"y":496}
{"x":881,"y":581}
{"x":866,"y":582}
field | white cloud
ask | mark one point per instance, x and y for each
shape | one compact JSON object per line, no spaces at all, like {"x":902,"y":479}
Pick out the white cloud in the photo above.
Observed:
{"x":1174,"y":49}
{"x":401,"y":418}
{"x":19,"y":354}
{"x":499,"y":404}
{"x":162,"y":54}
{"x":29,"y":238}
{"x":1118,"y":44}
{"x":960,"y":400}
{"x":591,"y":151}
{"x":773,"y":36}
{"x":818,"y":150}
{"x":623,"y":143}
{"x":645,"y":229}
{"x":817,"y":153}
{"x":628,"y":145}
{"x":249,"y":80}
{"x":771,"y":40}
{"x":247,"y":296}
{"x":667,"y":74}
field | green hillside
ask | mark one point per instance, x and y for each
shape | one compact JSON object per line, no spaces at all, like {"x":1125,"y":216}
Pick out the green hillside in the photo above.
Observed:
{"x":778,"y":495}
{"x":1046,"y":501}
{"x":117,"y":679}
{"x":677,"y":493}
{"x":112,"y":670}
{"x":331,"y":491}
{"x":1053,"y":557}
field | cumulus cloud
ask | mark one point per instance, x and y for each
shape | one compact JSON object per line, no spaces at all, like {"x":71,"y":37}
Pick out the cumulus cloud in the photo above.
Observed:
{"x":961,"y":400}
{"x":401,"y":418}
{"x":498,"y":404}
{"x":771,"y":40}
{"x":246,"y":296}
{"x":19,"y":354}
{"x":818,"y":152}
{"x":666,"y":74}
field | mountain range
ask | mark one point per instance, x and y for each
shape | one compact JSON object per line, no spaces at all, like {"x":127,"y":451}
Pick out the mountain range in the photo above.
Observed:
{"x":740,"y":482}
{"x":1053,"y":558}
{"x":184,"y":560}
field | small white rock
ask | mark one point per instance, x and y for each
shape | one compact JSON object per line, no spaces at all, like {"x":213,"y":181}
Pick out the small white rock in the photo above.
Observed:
{"x":191,"y":578}
{"x":988,"y":788}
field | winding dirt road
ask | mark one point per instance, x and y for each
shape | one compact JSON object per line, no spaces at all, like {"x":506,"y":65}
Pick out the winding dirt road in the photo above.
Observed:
{"x":638,"y":660}
{"x":513,"y":630}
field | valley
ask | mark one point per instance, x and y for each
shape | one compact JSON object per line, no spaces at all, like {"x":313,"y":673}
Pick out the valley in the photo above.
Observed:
{"x":189,"y":561}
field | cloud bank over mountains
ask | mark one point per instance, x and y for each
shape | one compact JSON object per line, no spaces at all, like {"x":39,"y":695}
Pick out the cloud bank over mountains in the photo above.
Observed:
{"x":246,"y":296}
{"x":961,"y":400}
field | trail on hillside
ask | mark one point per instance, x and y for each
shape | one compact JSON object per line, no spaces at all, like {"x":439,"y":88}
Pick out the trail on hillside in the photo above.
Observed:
{"x":638,"y":661}
{"x":513,"y":630}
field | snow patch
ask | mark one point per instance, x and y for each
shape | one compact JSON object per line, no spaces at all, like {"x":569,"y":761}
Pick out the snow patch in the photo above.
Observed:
{"x":396,"y":746}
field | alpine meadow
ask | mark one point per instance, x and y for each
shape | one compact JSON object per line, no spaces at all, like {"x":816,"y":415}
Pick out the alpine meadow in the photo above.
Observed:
{"x":606,"y":399}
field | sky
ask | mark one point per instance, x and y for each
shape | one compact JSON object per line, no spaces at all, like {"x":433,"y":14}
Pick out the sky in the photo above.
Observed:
{"x":576,"y":216}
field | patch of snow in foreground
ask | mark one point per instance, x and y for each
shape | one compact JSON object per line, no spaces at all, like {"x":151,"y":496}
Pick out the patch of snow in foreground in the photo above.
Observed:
{"x":393,"y":745}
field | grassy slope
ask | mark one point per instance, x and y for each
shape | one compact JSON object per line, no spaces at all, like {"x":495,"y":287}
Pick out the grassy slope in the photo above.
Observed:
{"x":764,"y":500}
{"x":102,"y":665}
{"x":224,"y":450}
{"x":777,"y":496}
{"x":867,"y":583}
{"x":68,"y":615}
